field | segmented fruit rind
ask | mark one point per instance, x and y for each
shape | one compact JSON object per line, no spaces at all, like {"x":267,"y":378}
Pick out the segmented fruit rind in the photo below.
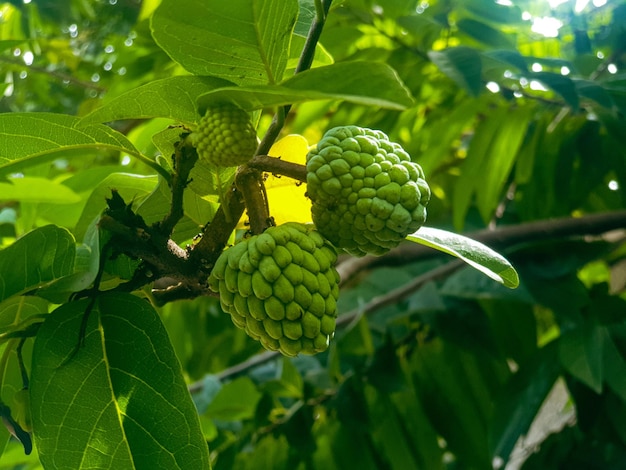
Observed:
{"x":225,"y":136}
{"x":366,"y":192}
{"x":281,"y":287}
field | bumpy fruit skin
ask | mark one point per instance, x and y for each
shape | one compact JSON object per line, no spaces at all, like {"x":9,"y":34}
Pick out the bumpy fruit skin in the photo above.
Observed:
{"x":367,"y":194}
{"x":225,"y":136}
{"x":281,"y":287}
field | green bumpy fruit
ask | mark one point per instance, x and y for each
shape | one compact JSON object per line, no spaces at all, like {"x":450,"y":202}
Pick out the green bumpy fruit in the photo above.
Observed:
{"x":281,"y":287}
{"x":366,"y":192}
{"x":225,"y":136}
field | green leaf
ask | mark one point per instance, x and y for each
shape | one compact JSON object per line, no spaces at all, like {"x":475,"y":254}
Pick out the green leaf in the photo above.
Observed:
{"x":82,"y":183}
{"x":485,"y":33}
{"x":424,"y":438}
{"x":198,"y":211}
{"x":10,"y":43}
{"x":462,"y":64}
{"x":520,"y":400}
{"x":455,"y":387}
{"x":28,"y":139}
{"x":425,"y":30}
{"x":86,"y":265}
{"x":131,"y":187}
{"x":121,"y":402}
{"x":235,"y":401}
{"x":305,"y":17}
{"x":39,"y":257}
{"x":389,"y":435}
{"x":34,"y":189}
{"x":356,"y":339}
{"x":321,"y":57}
{"x":513,"y":58}
{"x":367,"y":83}
{"x":615,"y":367}
{"x":500,"y":159}
{"x":472,"y":252}
{"x":494,"y":145}
{"x":243,"y":41}
{"x":17,"y":309}
{"x":488,"y":10}
{"x":173,"y":98}
{"x":580,"y":352}
{"x":595,"y":92}
{"x":560,"y":84}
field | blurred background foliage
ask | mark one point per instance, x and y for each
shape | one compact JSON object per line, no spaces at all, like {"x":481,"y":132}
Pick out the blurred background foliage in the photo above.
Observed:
{"x":518,"y":121}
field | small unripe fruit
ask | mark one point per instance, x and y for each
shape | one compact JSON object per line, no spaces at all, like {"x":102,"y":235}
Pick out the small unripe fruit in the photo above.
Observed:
{"x":225,"y":136}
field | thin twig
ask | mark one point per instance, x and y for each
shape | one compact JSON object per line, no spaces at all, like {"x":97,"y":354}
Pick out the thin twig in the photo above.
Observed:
{"x":280,"y":167}
{"x":249,"y":182}
{"x":184,"y":158}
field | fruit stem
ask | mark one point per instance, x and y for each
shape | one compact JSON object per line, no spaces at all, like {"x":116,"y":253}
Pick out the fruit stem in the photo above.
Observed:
{"x":277,"y":166}
{"x":217,"y":232}
{"x":249,"y":182}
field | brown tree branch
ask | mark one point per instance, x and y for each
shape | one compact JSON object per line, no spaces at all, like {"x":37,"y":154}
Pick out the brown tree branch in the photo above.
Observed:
{"x":280,"y":167}
{"x":250,"y":184}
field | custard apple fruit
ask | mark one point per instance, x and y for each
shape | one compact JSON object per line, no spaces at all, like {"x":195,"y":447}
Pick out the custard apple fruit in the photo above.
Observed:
{"x":281,"y":287}
{"x":225,"y":136}
{"x":366,"y":192}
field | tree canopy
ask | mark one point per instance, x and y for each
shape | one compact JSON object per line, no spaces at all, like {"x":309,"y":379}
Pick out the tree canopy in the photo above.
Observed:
{"x":493,"y":337}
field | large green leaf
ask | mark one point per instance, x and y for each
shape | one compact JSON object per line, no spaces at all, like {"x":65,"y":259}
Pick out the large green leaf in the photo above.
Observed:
{"x":173,"y":98}
{"x":455,"y":387}
{"x":614,"y":365}
{"x":484,"y":33}
{"x":198,"y":211}
{"x":86,"y":265}
{"x":560,"y":84}
{"x":593,"y":91}
{"x":472,"y":252}
{"x":488,"y":10}
{"x":28,"y":139}
{"x":38,"y":258}
{"x":130,"y":186}
{"x":34,"y":189}
{"x":507,"y":57}
{"x":520,"y":400}
{"x":18,"y":308}
{"x":581,"y":353}
{"x":494,"y":146}
{"x":389,"y":435}
{"x":121,"y":402}
{"x":500,"y":160}
{"x":367,"y":83}
{"x":243,"y":41}
{"x":462,"y":64}
{"x":235,"y":401}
